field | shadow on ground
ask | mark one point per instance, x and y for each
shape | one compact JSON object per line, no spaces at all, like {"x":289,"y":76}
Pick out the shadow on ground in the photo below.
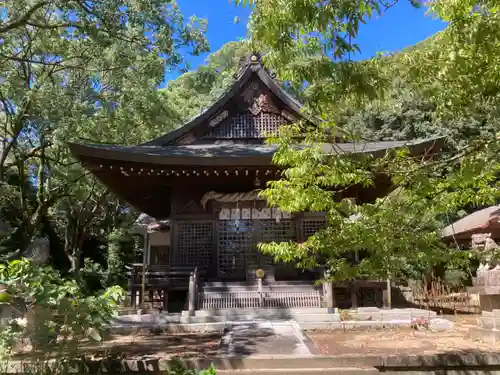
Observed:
{"x":468,"y":362}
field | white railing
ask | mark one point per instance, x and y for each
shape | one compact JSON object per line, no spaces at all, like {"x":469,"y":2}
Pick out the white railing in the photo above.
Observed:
{"x":255,"y":299}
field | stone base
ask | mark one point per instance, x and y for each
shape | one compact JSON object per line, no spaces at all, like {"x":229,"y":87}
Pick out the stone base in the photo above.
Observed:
{"x":489,"y":301}
{"x":484,"y":334}
{"x":362,"y":364}
{"x":307,"y":319}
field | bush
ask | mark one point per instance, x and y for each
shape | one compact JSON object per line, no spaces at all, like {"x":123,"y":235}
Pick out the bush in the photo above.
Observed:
{"x":177,"y":367}
{"x":53,"y":313}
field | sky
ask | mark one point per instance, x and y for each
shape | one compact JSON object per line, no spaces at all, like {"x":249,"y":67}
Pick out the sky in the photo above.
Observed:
{"x":400,"y":26}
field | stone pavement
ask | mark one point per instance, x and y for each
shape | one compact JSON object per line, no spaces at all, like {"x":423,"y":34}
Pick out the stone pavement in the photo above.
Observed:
{"x":263,"y":337}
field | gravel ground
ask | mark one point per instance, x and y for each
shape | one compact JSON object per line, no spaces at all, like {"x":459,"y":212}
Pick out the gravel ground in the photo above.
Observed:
{"x":401,"y":340}
{"x":161,"y":346}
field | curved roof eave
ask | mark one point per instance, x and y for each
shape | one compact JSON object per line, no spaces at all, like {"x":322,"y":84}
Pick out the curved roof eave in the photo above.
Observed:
{"x":231,"y":154}
{"x":476,"y":221}
{"x":253,"y":68}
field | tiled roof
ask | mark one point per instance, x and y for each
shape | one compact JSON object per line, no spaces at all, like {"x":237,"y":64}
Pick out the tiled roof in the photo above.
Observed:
{"x":476,"y":221}
{"x":169,"y":154}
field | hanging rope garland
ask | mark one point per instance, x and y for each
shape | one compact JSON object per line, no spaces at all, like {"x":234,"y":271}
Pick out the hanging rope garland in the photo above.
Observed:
{"x":252,"y":195}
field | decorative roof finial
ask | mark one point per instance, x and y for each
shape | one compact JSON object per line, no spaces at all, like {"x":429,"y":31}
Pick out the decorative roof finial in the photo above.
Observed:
{"x":252,"y":58}
{"x":255,"y":58}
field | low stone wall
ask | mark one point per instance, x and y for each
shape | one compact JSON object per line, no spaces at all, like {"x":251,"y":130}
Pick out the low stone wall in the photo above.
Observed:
{"x":307,"y":319}
{"x":487,"y":363}
{"x":306,"y":314}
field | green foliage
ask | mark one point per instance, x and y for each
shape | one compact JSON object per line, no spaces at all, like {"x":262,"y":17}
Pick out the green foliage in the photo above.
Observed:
{"x":448,"y":90}
{"x":93,"y":276}
{"x":404,"y":114}
{"x":70,"y":70}
{"x":178,"y":367}
{"x":195,"y":91}
{"x":455,"y":278}
{"x":115,"y":264}
{"x":57,"y":315}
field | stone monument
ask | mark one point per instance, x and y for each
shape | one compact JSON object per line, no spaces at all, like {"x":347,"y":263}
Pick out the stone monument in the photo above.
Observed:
{"x":487,"y":285}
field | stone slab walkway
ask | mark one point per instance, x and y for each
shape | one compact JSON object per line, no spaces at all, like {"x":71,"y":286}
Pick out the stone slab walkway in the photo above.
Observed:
{"x":263,"y":338}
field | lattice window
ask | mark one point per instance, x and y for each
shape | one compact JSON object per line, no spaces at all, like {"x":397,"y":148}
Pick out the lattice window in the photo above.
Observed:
{"x":246,"y":125}
{"x":370,"y":297}
{"x":311,"y":226}
{"x":274,"y":231}
{"x":342,"y":297}
{"x":236,"y":247}
{"x":194,"y":243}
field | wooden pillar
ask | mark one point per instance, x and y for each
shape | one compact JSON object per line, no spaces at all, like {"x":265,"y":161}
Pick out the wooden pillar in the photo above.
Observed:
{"x":151,"y":297}
{"x":141,"y":298}
{"x":259,"y":288}
{"x":191,"y":295}
{"x":329,"y":297}
{"x":144,"y":267}
{"x":354,"y":295}
{"x":165,"y":299}
{"x":388,"y":295}
{"x":131,"y":288}
{"x":133,"y":297}
{"x":215,"y":248}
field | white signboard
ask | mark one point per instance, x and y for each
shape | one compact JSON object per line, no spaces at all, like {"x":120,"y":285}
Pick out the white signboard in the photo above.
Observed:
{"x":246,"y":213}
{"x":225,"y":214}
{"x":235,"y":213}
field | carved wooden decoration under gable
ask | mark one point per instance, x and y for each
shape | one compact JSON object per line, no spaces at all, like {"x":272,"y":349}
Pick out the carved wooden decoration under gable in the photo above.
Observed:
{"x":258,"y":99}
{"x":186,"y":139}
{"x":257,"y":116}
{"x":217,"y":119}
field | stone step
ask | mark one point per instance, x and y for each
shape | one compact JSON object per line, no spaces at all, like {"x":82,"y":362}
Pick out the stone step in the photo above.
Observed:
{"x":484,"y":334}
{"x":315,"y":371}
{"x":489,"y":322}
{"x":252,"y":286}
{"x":218,"y":324}
{"x":261,"y":312}
{"x":300,"y":318}
{"x":359,"y":315}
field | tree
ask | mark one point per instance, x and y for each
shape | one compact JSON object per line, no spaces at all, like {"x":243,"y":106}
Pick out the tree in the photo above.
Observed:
{"x":195,"y":91}
{"x":310,"y":43}
{"x":53,"y":314}
{"x":80,"y":69}
{"x":404,"y":114}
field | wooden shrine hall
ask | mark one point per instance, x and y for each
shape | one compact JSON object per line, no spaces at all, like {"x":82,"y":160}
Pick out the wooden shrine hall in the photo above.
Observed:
{"x":203,"y":179}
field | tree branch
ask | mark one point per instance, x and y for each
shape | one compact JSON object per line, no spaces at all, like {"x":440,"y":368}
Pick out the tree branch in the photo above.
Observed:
{"x":53,"y":26}
{"x":390,"y":5}
{"x":24,"y":19}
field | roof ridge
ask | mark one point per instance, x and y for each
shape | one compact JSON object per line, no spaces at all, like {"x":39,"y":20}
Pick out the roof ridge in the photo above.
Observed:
{"x":253,"y":66}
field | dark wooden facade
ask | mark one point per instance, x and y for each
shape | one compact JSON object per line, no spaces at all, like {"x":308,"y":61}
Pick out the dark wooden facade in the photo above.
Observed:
{"x":223,"y":151}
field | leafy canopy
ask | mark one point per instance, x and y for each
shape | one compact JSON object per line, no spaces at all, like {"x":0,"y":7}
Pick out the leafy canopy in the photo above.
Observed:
{"x":80,"y":70}
{"x":311,"y":43}
{"x":57,"y":314}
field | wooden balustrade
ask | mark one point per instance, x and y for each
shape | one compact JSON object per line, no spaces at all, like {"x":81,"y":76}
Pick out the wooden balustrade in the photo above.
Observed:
{"x":158,"y":278}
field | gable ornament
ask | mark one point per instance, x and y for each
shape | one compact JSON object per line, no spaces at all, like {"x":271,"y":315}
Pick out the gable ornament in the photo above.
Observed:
{"x":217,"y":119}
{"x":187,"y":139}
{"x":257,"y":100}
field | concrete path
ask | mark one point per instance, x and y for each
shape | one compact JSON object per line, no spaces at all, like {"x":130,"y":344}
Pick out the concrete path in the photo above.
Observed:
{"x":263,"y":338}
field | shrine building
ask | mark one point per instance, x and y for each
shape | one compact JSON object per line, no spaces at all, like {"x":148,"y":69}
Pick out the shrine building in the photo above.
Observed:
{"x":202,"y":179}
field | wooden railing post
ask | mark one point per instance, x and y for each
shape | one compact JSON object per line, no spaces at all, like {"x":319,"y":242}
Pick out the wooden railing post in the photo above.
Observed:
{"x":196,"y":282}
{"x":192,"y":293}
{"x":328,"y":294}
{"x":259,"y":288}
